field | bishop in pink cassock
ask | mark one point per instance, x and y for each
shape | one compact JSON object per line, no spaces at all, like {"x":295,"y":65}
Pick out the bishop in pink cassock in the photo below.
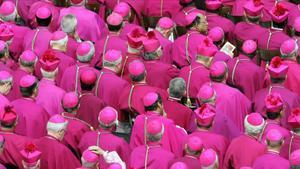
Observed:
{"x":209,"y":158}
{"x":37,"y":40}
{"x":49,"y":95}
{"x":87,"y":111}
{"x":204,"y":119}
{"x":76,"y":127}
{"x":173,"y":137}
{"x":243,"y":65}
{"x":294,"y":159}
{"x":109,"y":85}
{"x":33,"y":118}
{"x":55,"y":155}
{"x":30,"y":156}
{"x":90,"y":25}
{"x":104,"y":137}
{"x":244,"y":149}
{"x":272,"y":159}
{"x":154,"y":67}
{"x":149,"y":154}
{"x":292,"y":143}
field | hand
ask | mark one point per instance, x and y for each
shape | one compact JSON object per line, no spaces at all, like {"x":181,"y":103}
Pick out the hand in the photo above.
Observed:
{"x":96,"y":150}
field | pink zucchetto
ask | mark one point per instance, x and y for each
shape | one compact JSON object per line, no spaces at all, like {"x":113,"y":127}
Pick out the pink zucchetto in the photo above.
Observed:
{"x":150,"y":98}
{"x":7,"y":8}
{"x":85,"y":51}
{"x":189,"y":18}
{"x":279,"y":13}
{"x":49,"y":62}
{"x":135,"y":37}
{"x":151,"y":44}
{"x":136,"y":68}
{"x":43,"y":13}
{"x":28,"y":57}
{"x":59,"y":36}
{"x":273,"y":103}
{"x":205,"y":115}
{"x":57,"y":122}
{"x":213,"y":4}
{"x":206,"y":93}
{"x":154,"y":127}
{"x":194,"y":143}
{"x":288,"y":47}
{"x":5,"y":77}
{"x":122,"y":9}
{"x":179,"y":165}
{"x":274,"y":136}
{"x":75,"y":2}
{"x":207,"y":48}
{"x":249,"y":46}
{"x":253,"y":8}
{"x":30,"y":155}
{"x":88,"y":77}
{"x":254,"y":123}
{"x":208,"y":158}
{"x":165,"y":23}
{"x":295,"y":158}
{"x":115,"y":166}
{"x":277,"y":69}
{"x":218,"y":69}
{"x":89,"y":157}
{"x":296,"y":24}
{"x":186,"y":1}
{"x":294,"y":118}
{"x":70,"y":100}
{"x":114,"y":19}
{"x":108,"y":116}
{"x":216,"y":34}
{"x":113,"y":56}
{"x":27,"y":81}
{"x":8,"y":115}
{"x":6,"y":32}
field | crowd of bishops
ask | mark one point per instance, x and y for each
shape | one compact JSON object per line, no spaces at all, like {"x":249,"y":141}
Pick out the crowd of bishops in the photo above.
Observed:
{"x":149,"y":84}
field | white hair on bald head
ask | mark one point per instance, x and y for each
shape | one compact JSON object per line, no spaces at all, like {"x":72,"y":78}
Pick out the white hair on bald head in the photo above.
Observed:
{"x":253,"y":129}
{"x":56,"y":127}
{"x":88,"y":57}
{"x":68,"y":23}
{"x":49,"y":75}
{"x":87,"y":164}
{"x":10,"y":17}
{"x":59,"y":42}
{"x":213,"y":165}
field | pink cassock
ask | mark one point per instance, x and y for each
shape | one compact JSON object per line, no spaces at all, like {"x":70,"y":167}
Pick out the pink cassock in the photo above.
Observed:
{"x":90,"y":25}
{"x":16,"y":47}
{"x":214,"y":141}
{"x":232,"y":103}
{"x":292,"y":81}
{"x":11,"y":152}
{"x":108,"y":142}
{"x":221,"y":56}
{"x":245,"y":75}
{"x":268,"y":5}
{"x":108,"y":42}
{"x":290,"y":145}
{"x":173,"y":137}
{"x":238,"y":8}
{"x":165,"y":72}
{"x":198,"y":76}
{"x":154,"y":157}
{"x":294,"y":13}
{"x":75,"y":130}
{"x":291,"y":100}
{"x":134,"y":102}
{"x":271,"y":160}
{"x":243,"y":151}
{"x":158,"y":8}
{"x":50,"y":97}
{"x":68,"y":80}
{"x":180,"y":114}
{"x":190,"y":161}
{"x":109,"y":87}
{"x":273,"y":41}
{"x":127,"y":28}
{"x":244,"y":31}
{"x":54,"y":25}
{"x":179,"y":17}
{"x":3,"y":101}
{"x":166,"y":45}
{"x":40,"y":43}
{"x":55,"y":155}
{"x":17,"y":75}
{"x":32,"y":118}
{"x":271,"y":124}
{"x":128,"y":58}
{"x":214,"y":20}
{"x":182,"y":58}
{"x":72,"y":47}
{"x":5,"y":66}
{"x":65,"y":62}
{"x":87,"y":111}
{"x":23,"y":7}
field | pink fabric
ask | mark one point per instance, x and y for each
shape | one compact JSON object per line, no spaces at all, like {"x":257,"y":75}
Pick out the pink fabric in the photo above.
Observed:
{"x":165,"y":23}
{"x":216,"y":34}
{"x":112,"y":56}
{"x":150,"y":98}
{"x":7,"y":8}
{"x":55,"y":155}
{"x":107,"y":116}
{"x":244,"y":31}
{"x":235,"y":156}
{"x":288,"y":47}
{"x":194,"y":143}
{"x":166,"y":45}
{"x":90,"y":25}
{"x":273,"y":102}
{"x":88,"y":77}
{"x":155,"y":127}
{"x":70,"y":100}
{"x":165,"y":71}
{"x":114,"y":19}
{"x":213,"y":4}
{"x":123,"y":9}
{"x":136,"y":68}
{"x":27,"y":81}
{"x":128,"y":27}
{"x":277,"y":38}
{"x":31,"y":124}
{"x":153,"y":8}
{"x":30,"y":155}
{"x":28,"y":56}
{"x":179,"y":17}
{"x":207,"y":48}
{"x":279,"y":13}
{"x":151,"y":44}
{"x":294,"y":160}
{"x":253,"y":8}
{"x":179,"y":165}
{"x":271,"y":160}
{"x":191,"y":161}
{"x":17,"y":75}
{"x":249,"y":46}
{"x":43,"y":13}
{"x":217,"y":69}
{"x":128,"y":58}
{"x":208,"y":158}
{"x":292,"y":80}
{"x":284,"y":151}
{"x":71,"y":47}
{"x":274,"y":135}
{"x":49,"y":62}
{"x":15,"y":47}
{"x":108,"y":142}
{"x":273,"y":125}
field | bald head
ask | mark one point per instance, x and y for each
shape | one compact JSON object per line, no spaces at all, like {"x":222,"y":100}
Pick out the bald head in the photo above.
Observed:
{"x":69,"y":23}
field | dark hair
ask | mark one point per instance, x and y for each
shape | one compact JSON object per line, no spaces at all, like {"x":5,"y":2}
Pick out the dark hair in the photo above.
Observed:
{"x":297,"y":33}
{"x":154,"y":106}
{"x":154,"y":138}
{"x":190,"y":152}
{"x":250,"y":55}
{"x":87,"y":87}
{"x":205,"y":127}
{"x":295,"y":167}
{"x":2,"y":54}
{"x":279,"y":25}
{"x":253,"y":19}
{"x":273,"y":116}
{"x":114,"y":28}
{"x":218,"y":78}
{"x":105,"y":127}
{"x":44,"y":22}
{"x":277,"y":80}
{"x":10,"y":125}
{"x":28,"y":91}
{"x":138,"y":78}
{"x":196,"y":21}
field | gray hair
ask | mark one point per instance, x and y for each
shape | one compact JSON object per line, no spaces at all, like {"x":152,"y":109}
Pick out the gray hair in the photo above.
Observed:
{"x":177,"y":87}
{"x":49,"y":75}
{"x":10,"y":17}
{"x":68,"y":23}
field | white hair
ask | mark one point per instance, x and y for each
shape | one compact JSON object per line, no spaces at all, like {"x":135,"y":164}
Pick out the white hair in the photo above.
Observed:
{"x":213,"y":165}
{"x":59,"y":42}
{"x":253,"y":129}
{"x":286,"y":55}
{"x":68,"y":23}
{"x":49,"y":75}
{"x":56,"y":127}
{"x":10,"y":17}
{"x":88,"y":57}
{"x":87,"y":164}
